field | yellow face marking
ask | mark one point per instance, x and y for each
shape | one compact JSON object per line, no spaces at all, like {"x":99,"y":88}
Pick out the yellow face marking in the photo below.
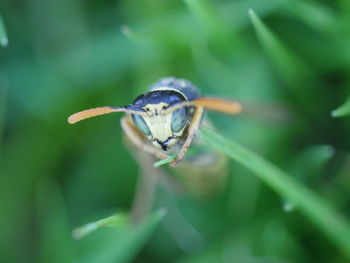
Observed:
{"x":159,"y":123}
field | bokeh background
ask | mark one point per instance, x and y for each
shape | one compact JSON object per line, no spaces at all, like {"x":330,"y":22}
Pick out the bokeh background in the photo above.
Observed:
{"x":65,"y":56}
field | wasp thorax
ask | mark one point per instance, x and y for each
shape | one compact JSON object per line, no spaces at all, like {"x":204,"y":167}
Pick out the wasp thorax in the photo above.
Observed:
{"x":163,"y":128}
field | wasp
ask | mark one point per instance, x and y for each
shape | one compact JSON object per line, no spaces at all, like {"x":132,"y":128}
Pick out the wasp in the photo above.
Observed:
{"x":165,"y":119}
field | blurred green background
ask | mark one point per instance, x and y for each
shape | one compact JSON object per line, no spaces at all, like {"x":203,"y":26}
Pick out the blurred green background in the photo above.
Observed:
{"x":290,"y":72}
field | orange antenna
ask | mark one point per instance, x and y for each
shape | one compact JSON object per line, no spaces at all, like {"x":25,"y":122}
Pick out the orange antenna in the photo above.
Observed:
{"x":220,"y":105}
{"x":214,"y":104}
{"x":85,"y":114}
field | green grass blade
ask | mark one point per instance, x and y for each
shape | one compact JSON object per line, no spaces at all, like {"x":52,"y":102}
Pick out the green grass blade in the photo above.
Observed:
{"x":289,"y":64}
{"x":316,"y":209}
{"x":343,"y":110}
{"x":3,"y":35}
{"x":164,"y":161}
{"x":193,"y":151}
{"x":116,"y":220}
{"x":119,"y":244}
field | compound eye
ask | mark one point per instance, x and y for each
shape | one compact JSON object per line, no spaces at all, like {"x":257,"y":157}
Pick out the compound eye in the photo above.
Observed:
{"x":179,"y":119}
{"x":140,"y":124}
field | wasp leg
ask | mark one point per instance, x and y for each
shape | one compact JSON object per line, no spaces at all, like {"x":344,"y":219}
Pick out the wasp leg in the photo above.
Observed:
{"x":192,"y":131}
{"x":136,"y":138}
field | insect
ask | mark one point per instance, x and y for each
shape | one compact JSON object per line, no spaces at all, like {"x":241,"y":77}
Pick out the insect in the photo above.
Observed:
{"x":165,"y":119}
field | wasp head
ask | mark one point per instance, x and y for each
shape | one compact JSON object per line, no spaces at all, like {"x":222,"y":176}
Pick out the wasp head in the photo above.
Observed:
{"x":161,"y":126}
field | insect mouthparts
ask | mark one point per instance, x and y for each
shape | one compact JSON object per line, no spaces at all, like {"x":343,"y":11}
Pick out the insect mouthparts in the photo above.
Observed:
{"x":164,"y":144}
